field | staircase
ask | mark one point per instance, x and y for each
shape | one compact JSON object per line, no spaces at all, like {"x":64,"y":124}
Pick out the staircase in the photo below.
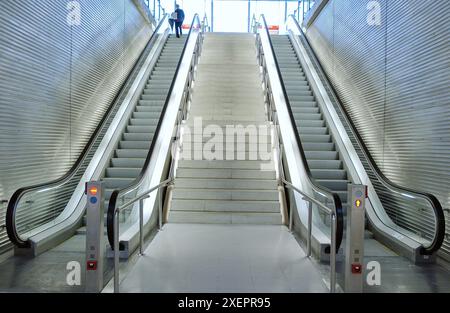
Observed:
{"x":221,"y":189}
{"x":321,"y":153}
{"x":129,"y":156}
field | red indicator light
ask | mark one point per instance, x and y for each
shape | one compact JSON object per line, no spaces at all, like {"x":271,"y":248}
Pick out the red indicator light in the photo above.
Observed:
{"x":356,"y":269}
{"x":91,"y":265}
{"x":93,"y":191}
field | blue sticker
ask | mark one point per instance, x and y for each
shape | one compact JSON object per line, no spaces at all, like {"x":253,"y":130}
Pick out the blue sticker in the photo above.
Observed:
{"x":93,"y":200}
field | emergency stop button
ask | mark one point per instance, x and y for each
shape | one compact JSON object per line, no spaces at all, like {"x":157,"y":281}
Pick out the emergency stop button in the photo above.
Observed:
{"x":91,"y":265}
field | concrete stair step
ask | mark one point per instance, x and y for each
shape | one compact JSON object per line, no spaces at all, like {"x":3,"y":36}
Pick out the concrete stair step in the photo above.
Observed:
{"x":225,"y":218}
{"x":225,"y":173}
{"x":225,"y":194}
{"x":226,"y":183}
{"x":206,"y":205}
{"x":249,"y":165}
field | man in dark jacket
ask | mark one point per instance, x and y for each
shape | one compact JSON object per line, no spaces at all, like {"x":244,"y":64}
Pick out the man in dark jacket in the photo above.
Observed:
{"x":179,"y":21}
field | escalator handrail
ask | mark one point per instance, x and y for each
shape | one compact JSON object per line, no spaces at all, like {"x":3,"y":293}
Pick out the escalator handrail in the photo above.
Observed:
{"x":436,"y":205}
{"x":18,"y":194}
{"x":338,"y":211}
{"x":136,"y":182}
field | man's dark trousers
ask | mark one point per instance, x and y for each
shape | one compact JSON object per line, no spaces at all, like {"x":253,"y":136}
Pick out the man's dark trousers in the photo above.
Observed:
{"x":178,"y":28}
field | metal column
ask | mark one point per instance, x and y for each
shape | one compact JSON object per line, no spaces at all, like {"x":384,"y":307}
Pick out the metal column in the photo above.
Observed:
{"x":354,"y":254}
{"x":212,"y":15}
{"x":95,"y":246}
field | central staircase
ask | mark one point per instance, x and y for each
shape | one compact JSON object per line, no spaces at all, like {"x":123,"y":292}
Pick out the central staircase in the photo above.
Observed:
{"x":238,"y":185}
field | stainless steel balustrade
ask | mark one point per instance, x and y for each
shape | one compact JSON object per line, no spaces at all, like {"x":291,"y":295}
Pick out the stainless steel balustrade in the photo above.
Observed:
{"x":56,"y":194}
{"x":394,"y":198}
{"x":330,"y":199}
{"x":175,"y":146}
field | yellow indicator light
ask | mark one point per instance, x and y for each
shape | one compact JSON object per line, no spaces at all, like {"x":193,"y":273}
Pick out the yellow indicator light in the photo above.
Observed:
{"x":93,"y":191}
{"x":358,"y":203}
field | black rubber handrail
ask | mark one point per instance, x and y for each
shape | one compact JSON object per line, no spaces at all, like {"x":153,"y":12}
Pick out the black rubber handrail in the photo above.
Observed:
{"x":436,"y":205}
{"x":18,"y":194}
{"x":337,"y":201}
{"x":115,"y":194}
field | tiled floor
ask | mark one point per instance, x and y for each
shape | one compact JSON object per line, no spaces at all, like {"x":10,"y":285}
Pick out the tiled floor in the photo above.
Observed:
{"x":224,"y":258}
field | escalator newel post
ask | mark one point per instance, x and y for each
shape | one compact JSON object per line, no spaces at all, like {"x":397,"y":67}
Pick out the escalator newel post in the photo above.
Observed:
{"x":95,"y":246}
{"x":354,"y":254}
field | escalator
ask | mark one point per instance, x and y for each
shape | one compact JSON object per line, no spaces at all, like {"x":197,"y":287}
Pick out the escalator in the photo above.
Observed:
{"x":129,"y":157}
{"x":320,"y":150}
{"x":116,"y":153}
{"x":335,"y":155}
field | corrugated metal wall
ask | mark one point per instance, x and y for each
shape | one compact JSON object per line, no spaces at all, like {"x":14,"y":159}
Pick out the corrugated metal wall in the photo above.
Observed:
{"x":57,"y":79}
{"x":393,"y":79}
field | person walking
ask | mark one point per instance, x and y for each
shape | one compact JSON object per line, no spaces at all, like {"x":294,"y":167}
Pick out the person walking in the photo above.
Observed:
{"x":172,"y":18}
{"x":179,"y":20}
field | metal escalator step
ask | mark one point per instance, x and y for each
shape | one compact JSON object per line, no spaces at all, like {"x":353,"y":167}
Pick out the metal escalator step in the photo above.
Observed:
{"x":322,"y":155}
{"x":315,"y":138}
{"x":154,"y":97}
{"x":156,"y":91}
{"x":310,"y":123}
{"x":156,"y":103}
{"x":308,"y":110}
{"x":122,"y":172}
{"x":307,"y":116}
{"x":147,"y":115}
{"x":119,"y":183}
{"x":149,"y":109}
{"x":141,"y":129}
{"x":131,"y":153}
{"x":329,"y":174}
{"x":334,"y":184}
{"x":313,"y":130}
{"x":321,"y":146}
{"x":143,"y":121}
{"x":302,"y":103}
{"x":137,"y":136}
{"x":301,"y":98}
{"x":128,"y":162}
{"x":131,"y":144}
{"x":325,"y":164}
